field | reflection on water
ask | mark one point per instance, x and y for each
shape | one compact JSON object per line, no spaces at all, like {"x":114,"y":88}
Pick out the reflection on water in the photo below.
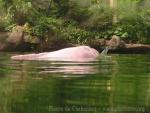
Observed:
{"x":68,"y":69}
{"x":115,"y":85}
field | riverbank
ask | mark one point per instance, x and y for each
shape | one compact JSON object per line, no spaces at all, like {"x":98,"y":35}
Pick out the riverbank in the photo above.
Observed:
{"x":132,"y":49}
{"x":17,"y":40}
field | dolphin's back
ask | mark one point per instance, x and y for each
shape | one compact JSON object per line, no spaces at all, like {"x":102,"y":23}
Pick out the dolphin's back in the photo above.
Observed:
{"x":71,"y":53}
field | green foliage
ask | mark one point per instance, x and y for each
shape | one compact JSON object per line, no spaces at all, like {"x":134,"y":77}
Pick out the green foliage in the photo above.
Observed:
{"x":78,"y":21}
{"x":77,"y":12}
{"x":101,"y":17}
{"x":5,"y":23}
{"x":76,"y":35}
{"x":21,"y":11}
{"x":62,"y":7}
{"x":45,"y":25}
{"x":133,"y":18}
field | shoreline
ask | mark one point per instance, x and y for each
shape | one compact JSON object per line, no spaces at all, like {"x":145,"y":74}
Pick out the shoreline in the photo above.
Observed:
{"x":132,"y":49}
{"x":16,"y":41}
{"x":128,"y":49}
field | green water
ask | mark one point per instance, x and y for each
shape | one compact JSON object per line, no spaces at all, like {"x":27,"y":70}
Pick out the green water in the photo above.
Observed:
{"x":117,"y":84}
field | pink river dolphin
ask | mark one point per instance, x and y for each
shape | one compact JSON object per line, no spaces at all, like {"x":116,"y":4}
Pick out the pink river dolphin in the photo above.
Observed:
{"x":80,"y":53}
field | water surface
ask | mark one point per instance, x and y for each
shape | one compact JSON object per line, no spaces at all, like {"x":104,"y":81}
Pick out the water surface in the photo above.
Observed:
{"x":117,"y":84}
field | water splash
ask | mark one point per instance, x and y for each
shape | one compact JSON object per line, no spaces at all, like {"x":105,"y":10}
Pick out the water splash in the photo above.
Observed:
{"x":105,"y":51}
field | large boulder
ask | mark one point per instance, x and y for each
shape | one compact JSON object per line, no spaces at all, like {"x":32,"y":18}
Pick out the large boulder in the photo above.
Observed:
{"x":16,"y":36}
{"x":10,"y":40}
{"x":115,"y":43}
{"x":15,"y":40}
{"x":3,"y":37}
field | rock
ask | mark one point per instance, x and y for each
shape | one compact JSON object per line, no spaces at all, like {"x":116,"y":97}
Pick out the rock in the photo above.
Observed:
{"x":3,"y":37}
{"x":31,"y":39}
{"x":122,"y":44}
{"x":98,"y":44}
{"x":2,"y":46}
{"x":116,"y":43}
{"x":15,"y":41}
{"x":16,"y":36}
{"x":137,"y":46}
